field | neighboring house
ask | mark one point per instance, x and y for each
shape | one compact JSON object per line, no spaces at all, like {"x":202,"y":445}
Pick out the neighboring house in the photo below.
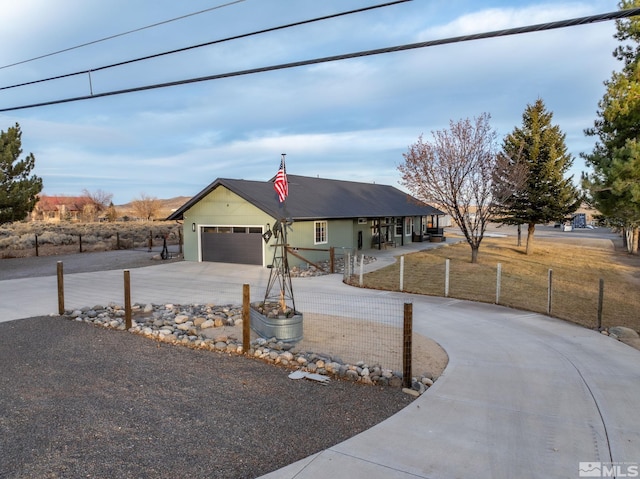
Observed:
{"x":59,"y":208}
{"x":226,"y":221}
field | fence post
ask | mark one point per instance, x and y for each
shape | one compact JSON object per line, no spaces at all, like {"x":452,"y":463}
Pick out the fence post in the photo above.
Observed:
{"x":600,"y":303}
{"x":361,"y":270}
{"x":498,"y":282}
{"x":127,"y":299}
{"x":150,"y":240}
{"x":407,"y":345}
{"x":117,"y":240}
{"x":180,"y":241}
{"x":355,"y":263}
{"x":60,"y":288}
{"x":446,"y":278}
{"x":37,"y":245}
{"x":550,"y":292}
{"x":80,"y":241}
{"x":347,"y":266}
{"x":246,"y":319}
{"x":401,"y":273}
{"x":332,"y":260}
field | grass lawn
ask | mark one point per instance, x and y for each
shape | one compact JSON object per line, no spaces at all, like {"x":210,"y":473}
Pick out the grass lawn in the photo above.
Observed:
{"x":577,"y":267}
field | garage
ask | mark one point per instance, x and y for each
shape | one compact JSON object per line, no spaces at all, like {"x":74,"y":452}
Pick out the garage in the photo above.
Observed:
{"x":232,"y":244}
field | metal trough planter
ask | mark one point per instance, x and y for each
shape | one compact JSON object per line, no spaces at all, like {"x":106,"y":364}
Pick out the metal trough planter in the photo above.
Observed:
{"x":282,"y":328}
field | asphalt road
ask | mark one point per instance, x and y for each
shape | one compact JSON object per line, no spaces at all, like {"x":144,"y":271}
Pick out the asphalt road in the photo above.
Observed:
{"x":41,"y":266}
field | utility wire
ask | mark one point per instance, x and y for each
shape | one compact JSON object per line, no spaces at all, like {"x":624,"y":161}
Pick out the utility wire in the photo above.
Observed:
{"x":236,"y":37}
{"x":412,"y":46}
{"x":111,"y":37}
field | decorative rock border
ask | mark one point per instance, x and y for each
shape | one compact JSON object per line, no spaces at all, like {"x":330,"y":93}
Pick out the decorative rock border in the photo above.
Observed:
{"x":201,"y":326}
{"x":310,"y":270}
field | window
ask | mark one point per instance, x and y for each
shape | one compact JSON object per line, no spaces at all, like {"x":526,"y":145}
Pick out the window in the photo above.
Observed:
{"x":320,"y":232}
{"x":398,"y":226}
{"x":408,"y":226}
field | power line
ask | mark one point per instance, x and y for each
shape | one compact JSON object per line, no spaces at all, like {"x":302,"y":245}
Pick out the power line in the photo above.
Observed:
{"x":179,"y":50}
{"x":412,"y":46}
{"x":111,"y":37}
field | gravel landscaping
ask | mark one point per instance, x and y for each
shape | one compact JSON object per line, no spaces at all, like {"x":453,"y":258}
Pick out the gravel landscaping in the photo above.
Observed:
{"x":82,"y":401}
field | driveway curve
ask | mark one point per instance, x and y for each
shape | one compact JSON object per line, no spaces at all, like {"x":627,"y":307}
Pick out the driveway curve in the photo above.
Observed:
{"x":523,"y":396}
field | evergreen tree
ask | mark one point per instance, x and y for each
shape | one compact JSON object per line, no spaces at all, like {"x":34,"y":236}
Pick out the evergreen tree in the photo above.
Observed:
{"x":613,"y":187}
{"x":18,"y":191}
{"x":546,"y":195}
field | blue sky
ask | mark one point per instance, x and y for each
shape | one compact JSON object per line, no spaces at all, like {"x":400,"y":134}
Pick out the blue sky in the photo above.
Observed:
{"x":348,"y":120}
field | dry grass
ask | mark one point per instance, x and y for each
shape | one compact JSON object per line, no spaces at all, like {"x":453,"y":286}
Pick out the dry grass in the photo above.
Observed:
{"x":577,"y":270}
{"x":19,"y":239}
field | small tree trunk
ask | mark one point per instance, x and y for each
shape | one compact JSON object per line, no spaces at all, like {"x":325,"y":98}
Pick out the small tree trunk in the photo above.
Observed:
{"x":635,"y":240}
{"x":519,"y":235}
{"x":627,"y":239}
{"x":474,"y":253}
{"x":530,"y":231}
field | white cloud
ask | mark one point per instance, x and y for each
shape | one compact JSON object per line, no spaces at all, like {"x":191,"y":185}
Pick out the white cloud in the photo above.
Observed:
{"x":351,"y":119}
{"x":503,"y":18}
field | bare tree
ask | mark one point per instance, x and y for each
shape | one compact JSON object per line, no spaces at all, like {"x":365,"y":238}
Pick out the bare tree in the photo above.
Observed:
{"x":96,"y":202}
{"x":455,"y":171}
{"x":146,"y":207}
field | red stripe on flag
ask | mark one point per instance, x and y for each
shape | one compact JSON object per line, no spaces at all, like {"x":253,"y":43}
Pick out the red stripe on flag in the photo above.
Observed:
{"x":281,"y":185}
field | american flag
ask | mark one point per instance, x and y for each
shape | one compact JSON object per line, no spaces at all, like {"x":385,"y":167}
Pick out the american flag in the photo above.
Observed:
{"x":280,"y":184}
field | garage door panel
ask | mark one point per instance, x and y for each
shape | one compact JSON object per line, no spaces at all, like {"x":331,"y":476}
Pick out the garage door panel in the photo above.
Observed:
{"x":242,"y":248}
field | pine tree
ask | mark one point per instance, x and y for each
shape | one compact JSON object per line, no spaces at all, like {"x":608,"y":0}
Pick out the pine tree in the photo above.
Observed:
{"x":546,"y":194}
{"x":18,"y":191}
{"x":613,"y":186}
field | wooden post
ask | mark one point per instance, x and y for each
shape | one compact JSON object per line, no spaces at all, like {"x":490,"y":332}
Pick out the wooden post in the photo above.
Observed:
{"x":332,"y":260}
{"x":498,"y":282}
{"x":60,"y":289}
{"x":246,"y":318}
{"x":37,"y":245}
{"x":446,"y":277}
{"x":127,"y":299}
{"x":80,"y":241}
{"x":550,"y":292}
{"x":407,"y":345}
{"x":600,"y":303}
{"x":180,"y":241}
{"x":150,"y":240}
{"x":117,"y":240}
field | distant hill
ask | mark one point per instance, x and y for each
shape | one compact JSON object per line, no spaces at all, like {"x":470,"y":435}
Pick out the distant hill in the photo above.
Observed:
{"x":168,"y":205}
{"x":173,"y":204}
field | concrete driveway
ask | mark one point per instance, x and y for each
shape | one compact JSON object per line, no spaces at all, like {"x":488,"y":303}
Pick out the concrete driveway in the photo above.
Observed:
{"x":523,"y":395}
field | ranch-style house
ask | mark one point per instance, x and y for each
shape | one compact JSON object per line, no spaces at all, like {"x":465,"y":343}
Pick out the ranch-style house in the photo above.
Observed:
{"x":227,"y":220}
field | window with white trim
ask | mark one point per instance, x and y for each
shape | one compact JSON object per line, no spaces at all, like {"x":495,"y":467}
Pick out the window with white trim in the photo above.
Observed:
{"x":320,"y":228}
{"x":398,"y":226}
{"x":408,"y":225}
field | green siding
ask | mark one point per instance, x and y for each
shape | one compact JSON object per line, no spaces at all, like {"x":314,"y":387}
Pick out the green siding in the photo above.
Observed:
{"x":221,"y":207}
{"x":301,"y":234}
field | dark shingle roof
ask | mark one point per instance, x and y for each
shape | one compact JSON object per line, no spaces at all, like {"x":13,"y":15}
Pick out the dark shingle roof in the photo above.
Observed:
{"x":319,"y":198}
